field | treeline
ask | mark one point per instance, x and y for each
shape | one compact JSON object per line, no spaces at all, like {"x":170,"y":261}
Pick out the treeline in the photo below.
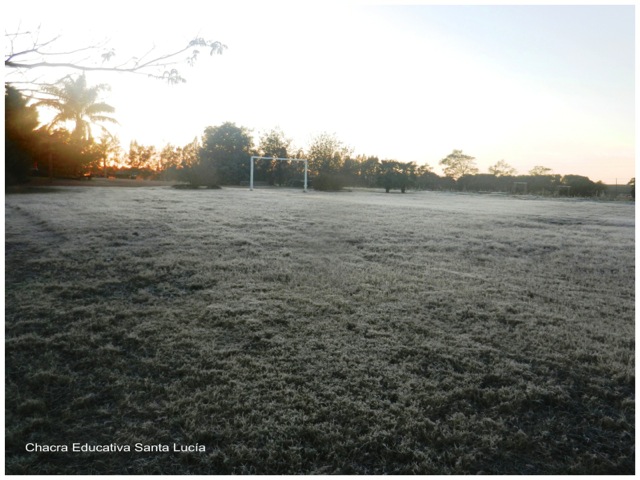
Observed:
{"x":53,"y":149}
{"x":221,"y":157}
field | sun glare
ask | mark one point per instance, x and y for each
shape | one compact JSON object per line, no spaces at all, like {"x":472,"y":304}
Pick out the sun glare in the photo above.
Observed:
{"x":397,"y":82}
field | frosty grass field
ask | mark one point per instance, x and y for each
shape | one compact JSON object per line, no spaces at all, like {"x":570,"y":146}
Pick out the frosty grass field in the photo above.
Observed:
{"x":352,"y":332}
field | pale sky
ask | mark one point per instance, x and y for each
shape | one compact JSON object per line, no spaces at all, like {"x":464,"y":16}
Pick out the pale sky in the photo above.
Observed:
{"x":531,"y":85}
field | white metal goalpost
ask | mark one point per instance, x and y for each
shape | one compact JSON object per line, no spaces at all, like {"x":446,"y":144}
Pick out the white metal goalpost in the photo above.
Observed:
{"x":276,"y":158}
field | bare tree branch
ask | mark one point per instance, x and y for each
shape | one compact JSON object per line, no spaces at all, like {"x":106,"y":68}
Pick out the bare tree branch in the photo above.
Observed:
{"x":37,"y":57}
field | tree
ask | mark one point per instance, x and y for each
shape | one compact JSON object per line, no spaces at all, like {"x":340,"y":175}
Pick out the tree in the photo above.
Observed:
{"x":632,"y":184}
{"x":422,"y":169}
{"x":457,"y":164}
{"x":62,"y":154}
{"x":480,"y":182}
{"x":368,"y":171}
{"x":188,"y":169}
{"x":428,"y":180}
{"x":326,"y":156}
{"x":106,"y":149}
{"x":539,"y":170}
{"x":41,"y":149}
{"x":189,"y":153}
{"x":168,"y":160}
{"x":387,"y":174}
{"x":30,"y":62}
{"x":273,"y":144}
{"x":140,"y":157}
{"x":77,"y":103}
{"x":407,"y":175}
{"x":20,"y":118}
{"x":350,"y":171}
{"x":582,"y":186}
{"x":502,"y":169}
{"x":27,"y":56}
{"x":20,"y":122}
{"x":225,"y":153}
{"x":539,"y":184}
{"x":393,"y":174}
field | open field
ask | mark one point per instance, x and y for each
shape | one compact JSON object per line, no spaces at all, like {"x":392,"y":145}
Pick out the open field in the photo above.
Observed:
{"x":347,"y":333}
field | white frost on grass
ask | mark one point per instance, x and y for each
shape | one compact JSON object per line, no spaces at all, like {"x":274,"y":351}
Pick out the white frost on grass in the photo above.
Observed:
{"x":429,"y":332}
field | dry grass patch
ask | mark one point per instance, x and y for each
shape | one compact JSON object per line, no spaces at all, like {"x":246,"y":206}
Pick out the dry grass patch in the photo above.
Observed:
{"x":319,"y":333}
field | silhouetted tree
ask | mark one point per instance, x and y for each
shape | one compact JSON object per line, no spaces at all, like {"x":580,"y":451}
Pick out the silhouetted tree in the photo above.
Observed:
{"x":388,"y":172}
{"x":326,"y":156}
{"x":77,"y":103}
{"x":351,"y":171}
{"x":168,"y":161}
{"x":368,"y":171}
{"x":140,"y":157}
{"x":502,"y":169}
{"x":20,"y":122}
{"x":187,"y":171}
{"x":582,"y":186}
{"x":61,"y":154}
{"x":407,"y":175}
{"x":539,"y":184}
{"x":225,"y":154}
{"x":428,"y":180}
{"x":29,"y":148}
{"x":539,"y":170}
{"x":274,"y":144}
{"x":393,"y":174}
{"x":457,"y":164}
{"x":108,"y":148}
{"x":481,"y":182}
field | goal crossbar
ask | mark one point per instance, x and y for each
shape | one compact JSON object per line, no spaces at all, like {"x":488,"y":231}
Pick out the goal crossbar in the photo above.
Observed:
{"x":253,"y":158}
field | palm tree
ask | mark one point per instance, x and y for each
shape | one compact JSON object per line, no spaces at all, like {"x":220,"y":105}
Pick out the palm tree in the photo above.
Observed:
{"x":77,"y":103}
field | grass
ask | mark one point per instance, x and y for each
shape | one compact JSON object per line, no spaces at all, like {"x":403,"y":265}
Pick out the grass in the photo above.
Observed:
{"x":342,"y":333}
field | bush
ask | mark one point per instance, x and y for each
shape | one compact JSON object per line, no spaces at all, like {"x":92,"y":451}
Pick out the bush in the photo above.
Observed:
{"x":328,"y":182}
{"x":17,"y":163}
{"x":201,"y":175}
{"x":582,"y":186}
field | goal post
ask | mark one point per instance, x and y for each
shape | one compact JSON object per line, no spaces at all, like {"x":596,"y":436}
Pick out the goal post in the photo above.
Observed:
{"x":253,"y":158}
{"x":516,"y":186}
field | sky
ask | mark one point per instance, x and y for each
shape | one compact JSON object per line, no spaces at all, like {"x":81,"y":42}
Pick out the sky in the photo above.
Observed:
{"x":532,"y":85}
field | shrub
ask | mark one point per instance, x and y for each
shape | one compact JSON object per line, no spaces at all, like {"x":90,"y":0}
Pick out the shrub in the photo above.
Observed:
{"x":328,"y":182}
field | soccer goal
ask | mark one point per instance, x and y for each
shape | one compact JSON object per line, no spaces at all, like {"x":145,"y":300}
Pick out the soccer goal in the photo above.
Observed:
{"x":519,"y":186}
{"x":276,"y":158}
